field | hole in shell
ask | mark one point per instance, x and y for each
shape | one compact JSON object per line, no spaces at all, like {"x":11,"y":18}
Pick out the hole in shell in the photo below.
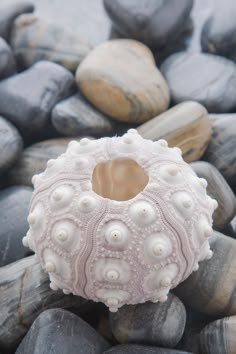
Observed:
{"x":119,"y":179}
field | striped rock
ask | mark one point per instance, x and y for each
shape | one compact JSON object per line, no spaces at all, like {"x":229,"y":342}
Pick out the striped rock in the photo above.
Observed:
{"x":186,"y":125}
{"x":218,"y":189}
{"x":211,"y":290}
{"x":219,"y":337}
{"x":132,"y":93}
{"x":34,"y":39}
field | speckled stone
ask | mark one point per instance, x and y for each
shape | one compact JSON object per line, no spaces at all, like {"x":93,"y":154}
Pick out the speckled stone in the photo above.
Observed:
{"x":34,"y":39}
{"x":11,"y":145}
{"x":132,"y":93}
{"x":186,"y":125}
{"x":218,"y":189}
{"x":206,"y":78}
{"x":60,"y":331}
{"x":7,"y":61}
{"x":8,"y":12}
{"x":211,"y":290}
{"x":76,"y":116}
{"x":155,"y":324}
{"x":14,"y":206}
{"x":149,"y":21}
{"x":141,"y":349}
{"x":28,"y":98}
{"x":219,"y":32}
{"x":219,"y":337}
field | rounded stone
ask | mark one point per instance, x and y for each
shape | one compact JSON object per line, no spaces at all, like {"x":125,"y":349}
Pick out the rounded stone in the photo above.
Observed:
{"x":7,"y":61}
{"x":148,"y":323}
{"x":205,"y":78}
{"x":132,"y":95}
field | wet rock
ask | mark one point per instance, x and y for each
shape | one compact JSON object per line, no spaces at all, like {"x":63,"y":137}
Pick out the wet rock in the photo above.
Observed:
{"x":150,"y":323}
{"x":61,"y":332}
{"x":218,"y":189}
{"x":14,"y":206}
{"x":8,"y":12}
{"x":34,"y":158}
{"x":221,"y":150}
{"x":149,"y":21}
{"x":10,"y":145}
{"x":24,"y":294}
{"x":206,"y":78}
{"x":34,"y":39}
{"x":76,"y":116}
{"x":28,"y":98}
{"x":211,"y":290}
{"x":132,"y":93}
{"x":219,"y":337}
{"x":7,"y":61}
{"x":186,"y":125}
{"x":141,"y":349}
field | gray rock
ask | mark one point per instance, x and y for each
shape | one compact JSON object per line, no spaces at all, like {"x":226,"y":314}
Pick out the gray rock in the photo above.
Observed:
{"x":60,"y":331}
{"x":76,"y":116}
{"x":14,"y":206}
{"x":219,"y":32}
{"x":221,"y":150}
{"x":205,"y":78}
{"x":218,"y":189}
{"x":7,"y":61}
{"x":34,"y":39}
{"x":28,"y":98}
{"x":11,"y":145}
{"x":149,"y":21}
{"x":24,"y":294}
{"x":141,"y":349}
{"x":150,"y":323}
{"x":8,"y":12}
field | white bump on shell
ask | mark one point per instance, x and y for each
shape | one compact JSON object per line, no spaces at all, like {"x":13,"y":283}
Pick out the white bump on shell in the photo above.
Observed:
{"x":203,"y":182}
{"x":178,"y":150}
{"x":163,"y":143}
{"x":87,"y":204}
{"x":31,"y":219}
{"x":112,"y":275}
{"x":25,"y":241}
{"x":116,"y":234}
{"x":53,"y":286}
{"x":50,"y":163}
{"x":84,"y":141}
{"x":132,"y":131}
{"x":50,"y":267}
{"x":142,"y":213}
{"x":163,"y":298}
{"x":166,"y":281}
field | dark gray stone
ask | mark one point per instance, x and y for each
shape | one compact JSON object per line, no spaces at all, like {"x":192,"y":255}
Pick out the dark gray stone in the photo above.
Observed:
{"x":28,"y":98}
{"x":7,"y":61}
{"x":11,"y":145}
{"x":153,"y":22}
{"x":141,"y":349}
{"x":150,"y":323}
{"x":219,"y":32}
{"x":8,"y":12}
{"x":205,"y":78}
{"x":76,"y":116}
{"x":60,"y":331}
{"x":34,"y":39}
{"x":14,"y":205}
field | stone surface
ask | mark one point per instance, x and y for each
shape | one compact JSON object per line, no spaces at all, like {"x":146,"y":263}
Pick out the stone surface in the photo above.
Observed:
{"x":9,"y":11}
{"x":14,"y":206}
{"x":25,"y":293}
{"x":221,"y":151}
{"x":7,"y":61}
{"x":141,"y":349}
{"x":34,"y":39}
{"x":206,"y":78}
{"x":76,"y":116}
{"x":132,"y":93}
{"x":60,"y":331}
{"x":219,"y":337}
{"x":148,"y":323}
{"x":211,"y":290}
{"x":150,"y":22}
{"x":28,"y":98}
{"x":219,"y":31}
{"x":34,"y":160}
{"x":186,"y":125}
{"x":10,"y":145}
{"x":218,"y":189}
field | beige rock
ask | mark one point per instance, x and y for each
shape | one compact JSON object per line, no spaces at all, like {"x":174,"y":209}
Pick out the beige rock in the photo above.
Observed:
{"x":186,"y":125}
{"x":120,"y":78}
